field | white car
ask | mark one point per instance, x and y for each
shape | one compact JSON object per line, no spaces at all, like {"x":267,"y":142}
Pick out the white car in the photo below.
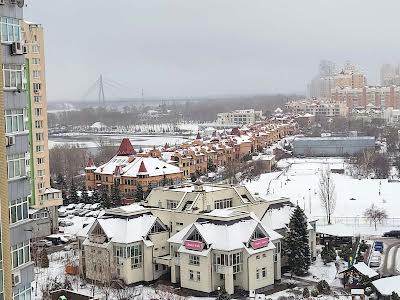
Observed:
{"x":44,"y":243}
{"x":80,"y":205}
{"x":95,"y":206}
{"x":70,"y":206}
{"x":87,"y":206}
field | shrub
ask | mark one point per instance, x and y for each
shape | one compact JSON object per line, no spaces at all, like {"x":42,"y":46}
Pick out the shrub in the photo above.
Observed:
{"x":306,"y":293}
{"x":345,"y":252}
{"x":314,"y":293}
{"x":323,"y":287}
{"x":328,"y":254}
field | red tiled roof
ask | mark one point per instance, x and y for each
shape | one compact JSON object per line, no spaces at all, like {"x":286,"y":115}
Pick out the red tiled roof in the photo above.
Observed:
{"x":90,"y":163}
{"x":126,"y":148}
{"x":142,"y":168}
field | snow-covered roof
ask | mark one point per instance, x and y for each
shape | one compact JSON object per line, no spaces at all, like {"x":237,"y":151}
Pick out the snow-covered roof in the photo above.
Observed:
{"x":225,"y":236}
{"x":365,"y":270}
{"x":279,"y":218}
{"x":131,"y":165}
{"x":386,"y":286}
{"x":126,"y":231}
{"x":339,"y":230}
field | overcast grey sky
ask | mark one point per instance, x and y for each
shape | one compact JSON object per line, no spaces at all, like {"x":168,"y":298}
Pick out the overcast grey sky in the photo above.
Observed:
{"x":176,"y":48}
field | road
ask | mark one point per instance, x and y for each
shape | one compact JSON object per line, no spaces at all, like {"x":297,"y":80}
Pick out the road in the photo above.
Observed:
{"x":391,"y":258}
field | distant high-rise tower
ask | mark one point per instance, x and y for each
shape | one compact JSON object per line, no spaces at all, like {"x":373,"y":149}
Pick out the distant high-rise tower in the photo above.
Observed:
{"x":16,"y":267}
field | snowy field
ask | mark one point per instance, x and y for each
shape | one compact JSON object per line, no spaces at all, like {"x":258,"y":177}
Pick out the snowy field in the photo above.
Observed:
{"x":299,"y":181}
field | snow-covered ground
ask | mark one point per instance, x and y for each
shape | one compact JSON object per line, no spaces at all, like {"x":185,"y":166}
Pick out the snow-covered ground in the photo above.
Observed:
{"x":299,"y":182}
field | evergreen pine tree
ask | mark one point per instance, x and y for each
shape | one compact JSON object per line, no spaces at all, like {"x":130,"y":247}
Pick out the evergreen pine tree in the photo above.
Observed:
{"x":85,"y":195}
{"x":115,"y":195}
{"x":296,"y":243}
{"x":104,"y":198}
{"x":73,"y":194}
{"x":395,"y":296}
{"x":210,"y":166}
{"x":328,"y":254}
{"x":139,"y":194}
{"x":95,"y":197}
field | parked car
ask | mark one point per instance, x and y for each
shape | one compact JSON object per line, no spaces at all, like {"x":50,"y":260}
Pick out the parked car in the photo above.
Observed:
{"x":87,"y":206}
{"x":71,"y":246}
{"x":80,"y":205}
{"x":378,"y":246}
{"x":83,"y":212}
{"x":392,"y":233}
{"x":65,"y":223}
{"x":70,"y":206}
{"x":44,"y":243}
{"x":77,"y":212}
{"x":62,"y":213}
{"x":95,"y":206}
{"x":375,"y":261}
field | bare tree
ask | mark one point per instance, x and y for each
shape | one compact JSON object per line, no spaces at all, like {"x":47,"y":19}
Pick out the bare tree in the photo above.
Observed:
{"x":375,"y":214}
{"x":327,"y":193}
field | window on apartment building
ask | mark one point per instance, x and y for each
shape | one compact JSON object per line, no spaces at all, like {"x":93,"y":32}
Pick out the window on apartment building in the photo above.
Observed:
{"x":40,"y":160}
{"x":22,"y":293}
{"x":18,"y":210}
{"x":38,"y":112}
{"x":39,"y":136}
{"x":16,"y":165}
{"x":13,"y":76}
{"x":258,"y":274}
{"x":20,"y":254}
{"x":39,"y":148}
{"x":35,"y":61}
{"x":194,"y":260}
{"x":37,"y":87}
{"x":37,"y":99}
{"x":40,"y":173}
{"x":36,"y":74}
{"x":40,"y":185}
{"x":35,"y":48}
{"x":223,"y":203}
{"x":10,"y":30}
{"x":15,"y":120}
{"x":172,"y":204}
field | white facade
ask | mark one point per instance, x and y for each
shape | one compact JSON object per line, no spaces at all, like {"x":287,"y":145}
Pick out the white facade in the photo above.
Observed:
{"x":318,"y":107}
{"x":204,"y":236}
{"x":240,"y":117}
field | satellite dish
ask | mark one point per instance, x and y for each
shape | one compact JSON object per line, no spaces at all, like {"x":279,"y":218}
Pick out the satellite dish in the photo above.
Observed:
{"x":20,"y":3}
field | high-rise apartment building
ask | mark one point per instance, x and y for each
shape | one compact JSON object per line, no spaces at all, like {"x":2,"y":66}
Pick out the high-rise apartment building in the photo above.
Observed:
{"x":17,"y":268}
{"x":43,"y":197}
{"x":390,"y":74}
{"x":350,"y":77}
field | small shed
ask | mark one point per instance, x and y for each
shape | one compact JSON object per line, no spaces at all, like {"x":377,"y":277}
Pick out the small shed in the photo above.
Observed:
{"x":358,"y":275}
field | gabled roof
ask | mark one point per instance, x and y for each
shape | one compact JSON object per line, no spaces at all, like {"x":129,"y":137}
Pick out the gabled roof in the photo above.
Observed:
{"x":225,"y":236}
{"x":90,"y":164}
{"x":126,"y":148}
{"x":126,"y":230}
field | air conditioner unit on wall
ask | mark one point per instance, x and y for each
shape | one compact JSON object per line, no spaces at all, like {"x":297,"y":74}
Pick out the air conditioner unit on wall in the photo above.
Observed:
{"x":17,"y":48}
{"x":10,"y":140}
{"x":16,"y":278}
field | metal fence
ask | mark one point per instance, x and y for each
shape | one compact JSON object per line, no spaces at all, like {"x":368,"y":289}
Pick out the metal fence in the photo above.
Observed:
{"x":357,"y":221}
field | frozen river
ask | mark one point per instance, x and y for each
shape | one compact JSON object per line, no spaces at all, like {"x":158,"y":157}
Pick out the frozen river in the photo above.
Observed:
{"x":93,"y":141}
